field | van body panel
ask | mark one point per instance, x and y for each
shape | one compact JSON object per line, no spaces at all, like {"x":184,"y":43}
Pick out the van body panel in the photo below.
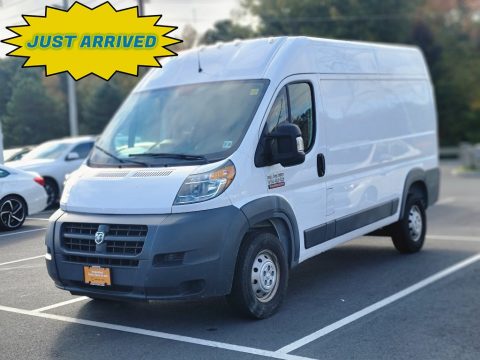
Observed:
{"x":373,"y":138}
{"x":375,"y":127}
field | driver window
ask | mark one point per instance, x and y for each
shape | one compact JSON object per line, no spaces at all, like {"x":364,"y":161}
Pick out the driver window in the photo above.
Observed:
{"x":279,"y":112}
{"x":294,"y":104}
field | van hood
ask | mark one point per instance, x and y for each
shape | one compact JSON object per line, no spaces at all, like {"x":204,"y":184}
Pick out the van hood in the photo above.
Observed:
{"x":33,"y":164}
{"x":123,"y":191}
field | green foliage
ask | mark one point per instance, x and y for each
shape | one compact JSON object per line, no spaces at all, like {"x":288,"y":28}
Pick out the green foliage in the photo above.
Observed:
{"x":99,"y":106}
{"x":369,"y":20}
{"x":226,"y":30}
{"x":31,"y":115}
{"x":33,"y":108}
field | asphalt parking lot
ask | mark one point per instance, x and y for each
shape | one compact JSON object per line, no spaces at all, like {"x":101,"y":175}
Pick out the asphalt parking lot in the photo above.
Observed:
{"x":362,"y":300}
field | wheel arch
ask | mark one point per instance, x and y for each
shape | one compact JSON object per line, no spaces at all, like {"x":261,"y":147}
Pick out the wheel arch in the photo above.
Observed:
{"x":52,"y":178}
{"x":425,"y":181}
{"x":275,"y":213}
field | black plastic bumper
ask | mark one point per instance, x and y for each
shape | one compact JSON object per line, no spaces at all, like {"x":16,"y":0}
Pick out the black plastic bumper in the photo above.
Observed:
{"x":189,"y":255}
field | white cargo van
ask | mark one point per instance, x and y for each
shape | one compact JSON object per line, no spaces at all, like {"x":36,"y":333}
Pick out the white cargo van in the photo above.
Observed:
{"x":236,"y":162}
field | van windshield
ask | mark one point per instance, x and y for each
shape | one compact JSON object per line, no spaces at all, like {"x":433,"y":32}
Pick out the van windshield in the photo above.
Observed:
{"x":190,"y":123}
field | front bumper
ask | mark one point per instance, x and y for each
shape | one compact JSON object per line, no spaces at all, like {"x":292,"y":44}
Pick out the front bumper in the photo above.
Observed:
{"x":189,"y":255}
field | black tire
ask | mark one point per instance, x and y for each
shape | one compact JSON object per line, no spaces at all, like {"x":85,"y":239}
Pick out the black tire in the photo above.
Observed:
{"x":261,"y":276}
{"x":51,"y":188}
{"x":408,"y":234}
{"x":13,"y":212}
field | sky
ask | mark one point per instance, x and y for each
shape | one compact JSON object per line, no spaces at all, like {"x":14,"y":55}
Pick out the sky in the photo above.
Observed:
{"x":202,"y":14}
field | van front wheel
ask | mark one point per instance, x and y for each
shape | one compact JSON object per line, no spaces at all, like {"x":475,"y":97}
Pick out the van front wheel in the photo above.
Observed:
{"x":408,"y":234}
{"x":261,"y":276}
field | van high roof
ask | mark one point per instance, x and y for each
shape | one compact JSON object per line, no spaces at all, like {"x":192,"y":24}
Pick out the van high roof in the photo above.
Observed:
{"x":277,"y":58}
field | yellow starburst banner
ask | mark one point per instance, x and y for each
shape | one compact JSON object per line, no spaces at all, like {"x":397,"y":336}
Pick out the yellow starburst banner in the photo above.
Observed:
{"x":83,"y":41}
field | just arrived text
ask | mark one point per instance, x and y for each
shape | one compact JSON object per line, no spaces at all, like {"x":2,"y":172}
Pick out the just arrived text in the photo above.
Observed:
{"x":93,"y":41}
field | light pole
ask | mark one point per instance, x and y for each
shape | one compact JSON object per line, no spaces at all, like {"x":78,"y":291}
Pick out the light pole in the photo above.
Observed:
{"x":72,"y":98}
{"x":141,"y":7}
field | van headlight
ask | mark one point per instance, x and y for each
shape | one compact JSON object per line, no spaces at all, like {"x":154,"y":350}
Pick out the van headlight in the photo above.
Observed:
{"x":205,"y":186}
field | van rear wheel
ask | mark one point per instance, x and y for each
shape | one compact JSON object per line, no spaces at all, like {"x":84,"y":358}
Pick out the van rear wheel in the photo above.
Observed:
{"x":408,"y":234}
{"x":261,"y":276}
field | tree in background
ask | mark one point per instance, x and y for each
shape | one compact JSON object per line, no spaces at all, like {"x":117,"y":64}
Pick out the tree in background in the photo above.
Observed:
{"x":226,"y":30}
{"x":456,"y":71}
{"x":7,"y":70}
{"x":368,"y":20}
{"x":98,"y":100}
{"x":189,"y":37}
{"x":32,"y":115}
{"x":99,"y":106}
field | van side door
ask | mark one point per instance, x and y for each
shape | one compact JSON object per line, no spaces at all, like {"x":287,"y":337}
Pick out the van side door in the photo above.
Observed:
{"x":302,"y":185}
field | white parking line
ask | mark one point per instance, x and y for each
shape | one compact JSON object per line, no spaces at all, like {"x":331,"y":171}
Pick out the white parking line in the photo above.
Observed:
{"x":20,"y":260}
{"x":445,"y":201}
{"x":158,"y":334}
{"x":21,"y":232}
{"x":378,"y":305}
{"x":16,"y":268}
{"x":453,"y":237}
{"x":63,"y":303}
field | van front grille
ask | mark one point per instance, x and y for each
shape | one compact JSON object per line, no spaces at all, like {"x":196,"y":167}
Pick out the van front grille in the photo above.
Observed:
{"x":118,"y":239}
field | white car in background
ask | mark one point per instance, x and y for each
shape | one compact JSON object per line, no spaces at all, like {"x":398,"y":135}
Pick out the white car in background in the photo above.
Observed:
{"x":55,"y":159}
{"x":16,"y":153}
{"x":22,"y":193}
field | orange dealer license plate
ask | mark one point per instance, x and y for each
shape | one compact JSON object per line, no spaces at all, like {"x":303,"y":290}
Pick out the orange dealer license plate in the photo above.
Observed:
{"x":96,"y":275}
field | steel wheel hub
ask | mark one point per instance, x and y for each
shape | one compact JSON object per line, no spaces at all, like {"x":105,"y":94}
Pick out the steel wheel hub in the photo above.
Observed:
{"x":415,"y":223}
{"x":265,"y":275}
{"x":12,"y":213}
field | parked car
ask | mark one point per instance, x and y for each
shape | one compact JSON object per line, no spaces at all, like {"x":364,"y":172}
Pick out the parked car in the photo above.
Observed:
{"x":219,"y":180}
{"x":53,"y":160}
{"x":16,"y":154}
{"x":22,"y":193}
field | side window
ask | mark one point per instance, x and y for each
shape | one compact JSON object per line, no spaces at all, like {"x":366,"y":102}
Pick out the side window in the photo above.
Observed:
{"x":301,"y":110}
{"x":294,"y":104}
{"x":83,"y":149}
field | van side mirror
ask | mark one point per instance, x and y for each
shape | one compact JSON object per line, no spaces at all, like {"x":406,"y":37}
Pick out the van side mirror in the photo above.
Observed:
{"x":285,"y":145}
{"x":72,"y":156}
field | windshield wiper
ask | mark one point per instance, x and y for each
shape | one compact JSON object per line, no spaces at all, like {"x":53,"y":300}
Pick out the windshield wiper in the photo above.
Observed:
{"x":172,"y":156}
{"x":123,"y":161}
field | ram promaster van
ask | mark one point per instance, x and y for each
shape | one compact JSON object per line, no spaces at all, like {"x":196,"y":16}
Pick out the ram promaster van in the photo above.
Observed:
{"x":236,"y":162}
